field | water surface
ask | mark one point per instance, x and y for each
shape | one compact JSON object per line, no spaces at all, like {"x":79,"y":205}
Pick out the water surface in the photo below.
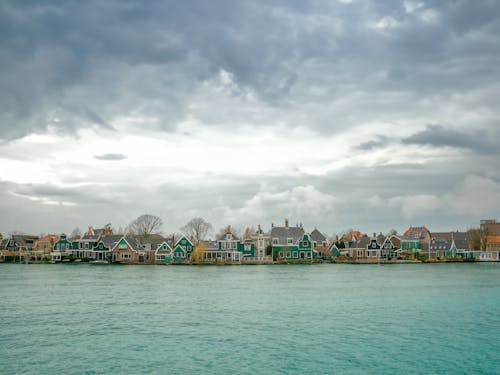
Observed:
{"x":327,"y":318}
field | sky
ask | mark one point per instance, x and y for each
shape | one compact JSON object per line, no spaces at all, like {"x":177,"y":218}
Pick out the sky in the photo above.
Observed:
{"x":371,"y":115}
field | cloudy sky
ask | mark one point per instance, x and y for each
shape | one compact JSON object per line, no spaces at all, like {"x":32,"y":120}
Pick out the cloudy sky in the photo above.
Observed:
{"x":338,"y":114}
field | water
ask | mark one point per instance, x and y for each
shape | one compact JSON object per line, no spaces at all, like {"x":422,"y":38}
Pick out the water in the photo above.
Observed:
{"x":356,"y":319}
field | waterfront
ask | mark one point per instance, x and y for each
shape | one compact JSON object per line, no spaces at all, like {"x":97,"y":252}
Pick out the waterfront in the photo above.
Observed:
{"x":323,"y":318}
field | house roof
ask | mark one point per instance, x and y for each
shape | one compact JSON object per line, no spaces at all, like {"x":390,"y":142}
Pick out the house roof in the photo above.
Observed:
{"x":317,"y":236}
{"x":52,"y":238}
{"x":362,"y":242}
{"x":283,"y":233}
{"x":440,"y":244}
{"x":417,"y":232}
{"x":154,"y":241}
{"x":353,"y":235}
{"x":93,"y":237}
{"x":460,"y":238}
{"x":492,"y":239}
{"x":111,"y":240}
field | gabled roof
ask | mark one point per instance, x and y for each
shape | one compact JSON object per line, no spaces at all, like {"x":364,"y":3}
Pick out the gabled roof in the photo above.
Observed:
{"x":111,"y":240}
{"x":461,"y":240}
{"x":440,"y":244}
{"x":160,"y":245}
{"x":131,"y":241}
{"x":389,"y":240}
{"x":93,"y":237}
{"x":417,"y":232}
{"x":283,"y":233}
{"x":362,"y":242}
{"x":317,"y":236}
{"x":183,"y":238}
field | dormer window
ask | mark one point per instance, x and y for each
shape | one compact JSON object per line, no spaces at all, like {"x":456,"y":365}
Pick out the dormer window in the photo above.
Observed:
{"x":275,"y":241}
{"x":289,"y":241}
{"x":228,"y":236}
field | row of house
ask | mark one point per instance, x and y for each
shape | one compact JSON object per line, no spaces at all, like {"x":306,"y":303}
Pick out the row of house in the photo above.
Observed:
{"x":281,"y":244}
{"x":417,"y":242}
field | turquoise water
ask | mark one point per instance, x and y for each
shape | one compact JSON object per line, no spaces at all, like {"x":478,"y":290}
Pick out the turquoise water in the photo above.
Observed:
{"x":327,"y":318}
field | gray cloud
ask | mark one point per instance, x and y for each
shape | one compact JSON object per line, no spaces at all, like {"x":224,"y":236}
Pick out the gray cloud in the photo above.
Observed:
{"x":379,"y":141}
{"x":127,"y":68}
{"x":110,"y":157}
{"x":480,"y":141}
{"x":87,"y":64}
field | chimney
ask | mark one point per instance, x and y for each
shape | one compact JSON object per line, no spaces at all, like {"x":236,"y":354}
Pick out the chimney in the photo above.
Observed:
{"x":286,"y":223}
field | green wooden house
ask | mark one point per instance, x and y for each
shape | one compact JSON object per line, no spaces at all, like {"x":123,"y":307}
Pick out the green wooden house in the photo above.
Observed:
{"x":302,"y":250}
{"x":163,"y":253}
{"x":183,"y":250}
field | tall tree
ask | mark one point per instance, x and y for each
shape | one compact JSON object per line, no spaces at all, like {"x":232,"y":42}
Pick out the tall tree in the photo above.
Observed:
{"x":145,"y":225}
{"x":197,"y":229}
{"x":477,"y":238}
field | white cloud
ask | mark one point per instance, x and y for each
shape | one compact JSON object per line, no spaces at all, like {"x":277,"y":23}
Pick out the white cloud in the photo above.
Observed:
{"x":412,"y":6}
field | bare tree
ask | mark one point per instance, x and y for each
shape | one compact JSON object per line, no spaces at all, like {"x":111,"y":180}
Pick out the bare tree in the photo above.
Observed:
{"x":477,"y":238}
{"x":76,"y":233}
{"x":197,"y":229}
{"x":145,"y":225}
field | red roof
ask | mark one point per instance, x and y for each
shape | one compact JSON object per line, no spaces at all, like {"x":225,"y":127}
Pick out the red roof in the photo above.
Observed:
{"x":353,"y":234}
{"x":416,"y":231}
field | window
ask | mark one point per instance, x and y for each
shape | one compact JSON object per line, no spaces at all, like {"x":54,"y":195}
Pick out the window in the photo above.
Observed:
{"x":308,"y":254}
{"x":288,"y":254}
{"x":289,"y":241}
{"x":223,"y":245}
{"x":315,"y":244}
{"x":275,"y":241}
{"x":295,"y":254}
{"x":305,"y":244}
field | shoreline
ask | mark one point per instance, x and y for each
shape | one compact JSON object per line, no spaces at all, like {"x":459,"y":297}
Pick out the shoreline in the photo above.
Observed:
{"x":256,"y":263}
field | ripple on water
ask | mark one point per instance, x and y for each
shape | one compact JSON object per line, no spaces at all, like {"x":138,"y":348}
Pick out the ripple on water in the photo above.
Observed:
{"x":269,"y":319}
